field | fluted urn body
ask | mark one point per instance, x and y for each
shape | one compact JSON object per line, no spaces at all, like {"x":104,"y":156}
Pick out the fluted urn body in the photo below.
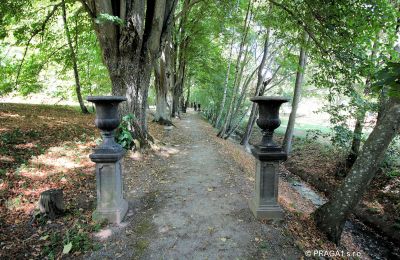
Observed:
{"x":107,"y":120}
{"x":268,"y":119}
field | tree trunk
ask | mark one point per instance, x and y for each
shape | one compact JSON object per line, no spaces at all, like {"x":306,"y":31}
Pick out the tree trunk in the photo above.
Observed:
{"x":236,"y":99}
{"x":52,"y":202}
{"x":130,"y":47}
{"x":330,"y":217}
{"x":161,"y":87}
{"x":181,"y":61}
{"x":74,"y":61}
{"x":236,"y":126}
{"x":238,"y":69}
{"x":228,"y":71}
{"x":287,"y":141}
{"x":356,"y":143}
{"x":187,"y":95}
{"x":249,"y":127}
{"x":243,"y":93}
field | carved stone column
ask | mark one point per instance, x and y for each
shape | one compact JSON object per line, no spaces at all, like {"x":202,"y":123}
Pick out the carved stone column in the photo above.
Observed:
{"x":268,"y":154}
{"x":110,"y":202}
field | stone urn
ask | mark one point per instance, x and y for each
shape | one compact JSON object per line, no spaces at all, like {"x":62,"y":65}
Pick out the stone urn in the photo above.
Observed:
{"x":268,"y":119}
{"x":264,"y":202}
{"x":110,"y":202}
{"x":107,"y":120}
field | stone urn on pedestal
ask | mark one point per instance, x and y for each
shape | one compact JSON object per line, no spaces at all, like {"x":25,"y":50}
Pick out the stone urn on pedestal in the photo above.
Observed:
{"x":268,"y":154}
{"x":110,"y":203}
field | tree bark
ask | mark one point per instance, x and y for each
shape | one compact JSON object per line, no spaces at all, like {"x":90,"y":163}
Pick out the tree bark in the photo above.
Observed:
{"x":356,"y":142}
{"x":287,"y":141}
{"x":129,"y":49}
{"x":162,"y":115}
{"x":52,"y":202}
{"x":330,"y":217}
{"x":181,"y":61}
{"x":74,"y":60}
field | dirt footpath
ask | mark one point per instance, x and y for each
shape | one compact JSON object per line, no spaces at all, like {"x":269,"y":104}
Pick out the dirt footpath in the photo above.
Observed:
{"x":189,"y":202}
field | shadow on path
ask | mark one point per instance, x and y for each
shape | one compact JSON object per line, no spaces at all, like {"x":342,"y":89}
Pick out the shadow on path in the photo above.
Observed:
{"x":198,"y":207}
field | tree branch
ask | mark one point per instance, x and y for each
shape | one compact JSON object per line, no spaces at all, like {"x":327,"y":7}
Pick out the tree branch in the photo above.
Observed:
{"x":302,"y":24}
{"x":188,"y":7}
{"x":34,"y":33}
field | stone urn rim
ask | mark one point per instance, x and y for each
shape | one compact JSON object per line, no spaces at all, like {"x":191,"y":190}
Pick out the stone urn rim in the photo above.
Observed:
{"x":269,"y":98}
{"x":107,"y":99}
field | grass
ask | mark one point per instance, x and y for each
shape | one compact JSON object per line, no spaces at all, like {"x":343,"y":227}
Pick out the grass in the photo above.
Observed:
{"x":301,"y":129}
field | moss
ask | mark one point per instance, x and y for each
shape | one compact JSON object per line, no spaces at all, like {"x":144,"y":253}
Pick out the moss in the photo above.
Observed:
{"x":144,"y":227}
{"x":140,"y":246}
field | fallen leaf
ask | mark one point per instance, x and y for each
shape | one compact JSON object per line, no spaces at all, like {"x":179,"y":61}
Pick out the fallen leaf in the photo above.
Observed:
{"x":67,"y":248}
{"x":44,"y":237}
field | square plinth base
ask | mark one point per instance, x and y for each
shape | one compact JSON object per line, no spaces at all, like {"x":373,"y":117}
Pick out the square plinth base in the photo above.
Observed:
{"x":266,"y":211}
{"x":114,"y":215}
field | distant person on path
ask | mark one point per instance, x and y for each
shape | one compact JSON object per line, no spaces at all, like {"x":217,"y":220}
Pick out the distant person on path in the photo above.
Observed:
{"x":195,"y":107}
{"x":199,"y":107}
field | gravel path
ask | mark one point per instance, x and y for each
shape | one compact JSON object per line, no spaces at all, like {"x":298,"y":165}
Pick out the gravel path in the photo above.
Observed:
{"x":191,"y":203}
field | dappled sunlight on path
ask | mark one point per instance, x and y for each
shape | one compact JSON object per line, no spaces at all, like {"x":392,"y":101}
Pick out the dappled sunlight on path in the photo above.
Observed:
{"x":191,"y":202}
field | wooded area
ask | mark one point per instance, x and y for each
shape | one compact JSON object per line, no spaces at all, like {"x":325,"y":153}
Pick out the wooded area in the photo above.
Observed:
{"x":169,"y":56}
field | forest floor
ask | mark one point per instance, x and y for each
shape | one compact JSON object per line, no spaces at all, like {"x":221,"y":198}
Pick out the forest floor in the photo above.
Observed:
{"x":187,"y":195}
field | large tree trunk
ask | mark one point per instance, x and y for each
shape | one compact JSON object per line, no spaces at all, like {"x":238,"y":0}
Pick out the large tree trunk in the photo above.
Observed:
{"x":164,"y":71}
{"x":74,"y":61}
{"x":181,"y":61}
{"x":287,"y":141}
{"x":162,"y":115}
{"x":129,"y":49}
{"x":330,"y":217}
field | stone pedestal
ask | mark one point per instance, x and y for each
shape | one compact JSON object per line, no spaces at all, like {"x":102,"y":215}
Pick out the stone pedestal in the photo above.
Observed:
{"x":110,"y":203}
{"x":268,"y":154}
{"x":264,"y":203}
{"x":107,"y":156}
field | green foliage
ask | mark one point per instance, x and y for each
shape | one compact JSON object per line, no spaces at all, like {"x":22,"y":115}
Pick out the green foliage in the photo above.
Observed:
{"x":388,"y":77}
{"x":342,"y":136}
{"x":77,"y":239}
{"x":315,"y":135}
{"x":124,"y":134}
{"x":17,"y":136}
{"x":391,"y":161}
{"x":51,"y":248}
{"x":107,"y":18}
{"x":32,"y":62}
